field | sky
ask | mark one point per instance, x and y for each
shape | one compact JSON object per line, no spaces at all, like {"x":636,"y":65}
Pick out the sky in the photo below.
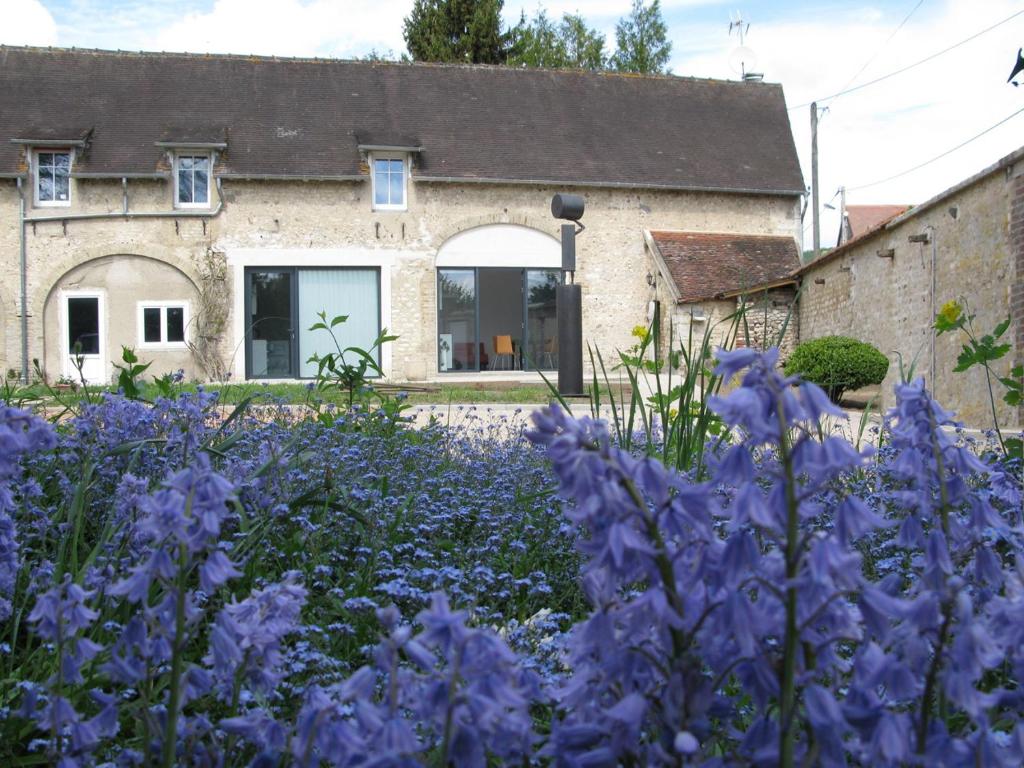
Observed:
{"x":814,"y":49}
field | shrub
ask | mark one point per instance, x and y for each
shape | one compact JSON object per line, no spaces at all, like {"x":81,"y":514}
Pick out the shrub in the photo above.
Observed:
{"x":837,"y":364}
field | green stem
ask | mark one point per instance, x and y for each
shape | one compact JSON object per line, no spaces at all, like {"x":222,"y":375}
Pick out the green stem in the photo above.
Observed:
{"x":177,"y":662}
{"x":787,"y":704}
{"x":933,"y":675}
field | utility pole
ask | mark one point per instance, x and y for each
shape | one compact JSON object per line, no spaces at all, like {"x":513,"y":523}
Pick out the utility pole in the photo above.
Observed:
{"x":815,"y":214}
{"x":842,"y":213}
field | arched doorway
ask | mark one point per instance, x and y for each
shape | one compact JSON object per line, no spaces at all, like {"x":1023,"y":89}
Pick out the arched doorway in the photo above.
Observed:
{"x":102,"y":305}
{"x":496,"y":299}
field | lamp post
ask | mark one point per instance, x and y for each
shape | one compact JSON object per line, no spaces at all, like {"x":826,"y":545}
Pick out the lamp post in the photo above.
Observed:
{"x":569,"y":298}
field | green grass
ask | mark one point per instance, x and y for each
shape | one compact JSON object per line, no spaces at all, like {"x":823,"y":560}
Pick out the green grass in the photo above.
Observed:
{"x":297,"y":393}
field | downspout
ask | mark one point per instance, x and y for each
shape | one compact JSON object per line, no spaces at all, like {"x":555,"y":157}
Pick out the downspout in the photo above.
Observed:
{"x":931,"y":319}
{"x":126,"y":214}
{"x":23,"y":266}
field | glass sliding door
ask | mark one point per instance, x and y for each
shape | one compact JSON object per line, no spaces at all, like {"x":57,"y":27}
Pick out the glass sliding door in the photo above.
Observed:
{"x":457,"y":346}
{"x":282,"y":303}
{"x":497,"y":318}
{"x":349,"y":292}
{"x":271,"y":333}
{"x":541,"y":319}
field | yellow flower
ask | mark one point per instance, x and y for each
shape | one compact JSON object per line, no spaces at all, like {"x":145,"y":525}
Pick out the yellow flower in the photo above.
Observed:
{"x":951,"y":311}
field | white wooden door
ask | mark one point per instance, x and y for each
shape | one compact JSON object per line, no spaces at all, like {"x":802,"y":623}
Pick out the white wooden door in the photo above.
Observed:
{"x":84,"y":336}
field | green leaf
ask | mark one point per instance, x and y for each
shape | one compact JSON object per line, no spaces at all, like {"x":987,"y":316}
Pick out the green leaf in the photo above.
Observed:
{"x":318,"y":327}
{"x":339,"y":320}
{"x":965,"y":360}
{"x":1014,"y":447}
{"x":1001,"y":328}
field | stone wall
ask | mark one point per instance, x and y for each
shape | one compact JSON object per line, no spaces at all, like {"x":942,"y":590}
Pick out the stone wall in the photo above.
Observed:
{"x":890,"y":301}
{"x":336,"y":217}
{"x":769,"y":319}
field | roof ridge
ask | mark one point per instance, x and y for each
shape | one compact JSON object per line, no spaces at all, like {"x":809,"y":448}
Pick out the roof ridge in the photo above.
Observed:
{"x":254,"y":57}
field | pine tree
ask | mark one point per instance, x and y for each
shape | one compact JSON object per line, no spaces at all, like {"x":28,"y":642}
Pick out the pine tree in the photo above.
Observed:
{"x":642,"y":41}
{"x":468,"y":31}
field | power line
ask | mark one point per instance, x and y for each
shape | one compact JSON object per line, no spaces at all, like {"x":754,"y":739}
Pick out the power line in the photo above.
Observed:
{"x":937,"y":157}
{"x":911,"y":66}
{"x":881,"y":47}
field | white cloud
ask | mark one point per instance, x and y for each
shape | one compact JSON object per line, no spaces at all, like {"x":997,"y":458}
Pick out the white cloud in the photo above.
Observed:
{"x":27,"y":22}
{"x":887,"y":128}
{"x":289,"y":28}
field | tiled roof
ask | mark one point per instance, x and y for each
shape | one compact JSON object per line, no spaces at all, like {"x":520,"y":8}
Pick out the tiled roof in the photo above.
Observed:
{"x":307,"y":118}
{"x":862,"y":219}
{"x":709,"y":265}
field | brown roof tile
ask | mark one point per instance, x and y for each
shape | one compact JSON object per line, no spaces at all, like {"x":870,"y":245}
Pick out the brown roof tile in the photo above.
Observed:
{"x":303,"y":117}
{"x":865,"y":218}
{"x":708,"y":265}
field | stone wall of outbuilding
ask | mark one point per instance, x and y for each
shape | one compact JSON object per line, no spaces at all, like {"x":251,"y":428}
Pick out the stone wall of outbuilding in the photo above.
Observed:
{"x":885,"y":288}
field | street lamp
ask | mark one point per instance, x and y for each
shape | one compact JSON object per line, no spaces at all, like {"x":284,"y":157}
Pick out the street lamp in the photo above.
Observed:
{"x":569,"y":297}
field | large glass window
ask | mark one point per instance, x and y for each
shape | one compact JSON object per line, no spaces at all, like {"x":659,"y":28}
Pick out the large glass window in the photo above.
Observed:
{"x":53,"y":178}
{"x":389,"y":183}
{"x":497,"y":318}
{"x":192,"y":179}
{"x":282,"y":304}
{"x":456,"y":320}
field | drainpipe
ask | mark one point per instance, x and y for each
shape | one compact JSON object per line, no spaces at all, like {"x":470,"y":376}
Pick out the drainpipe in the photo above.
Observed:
{"x":126,"y":214}
{"x":23,"y":265}
{"x":931,"y":319}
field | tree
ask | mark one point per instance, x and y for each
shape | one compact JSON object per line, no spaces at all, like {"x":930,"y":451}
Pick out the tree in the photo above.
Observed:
{"x":642,"y":43}
{"x":570,"y":44}
{"x":584,"y":47}
{"x":468,"y":31}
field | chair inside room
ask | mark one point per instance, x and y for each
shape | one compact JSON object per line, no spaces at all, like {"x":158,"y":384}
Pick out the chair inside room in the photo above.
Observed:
{"x":504,"y":354}
{"x":549,"y":356}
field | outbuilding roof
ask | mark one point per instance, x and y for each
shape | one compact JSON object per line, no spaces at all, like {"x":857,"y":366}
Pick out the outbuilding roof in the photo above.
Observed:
{"x":308,"y":118}
{"x":706,"y":265}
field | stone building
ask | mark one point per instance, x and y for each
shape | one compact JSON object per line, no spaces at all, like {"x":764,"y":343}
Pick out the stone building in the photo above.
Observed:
{"x":885,"y":286}
{"x":738,"y":289}
{"x":203,"y":209}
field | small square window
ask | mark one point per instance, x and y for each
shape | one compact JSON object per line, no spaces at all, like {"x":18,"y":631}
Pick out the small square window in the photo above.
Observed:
{"x":52,"y":170}
{"x":162,"y":324}
{"x":192,"y":181}
{"x":389,"y":183}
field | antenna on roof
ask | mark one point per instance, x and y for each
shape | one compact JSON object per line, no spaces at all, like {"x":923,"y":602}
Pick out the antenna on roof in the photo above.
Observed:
{"x":743,"y":60}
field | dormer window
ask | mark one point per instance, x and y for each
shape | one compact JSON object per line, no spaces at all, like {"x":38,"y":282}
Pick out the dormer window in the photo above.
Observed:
{"x":389,"y":182}
{"x":53,"y":178}
{"x":192,"y":181}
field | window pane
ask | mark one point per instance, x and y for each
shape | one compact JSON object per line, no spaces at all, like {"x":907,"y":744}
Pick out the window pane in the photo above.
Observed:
{"x":175,"y":324}
{"x":184,"y":186}
{"x":201,"y":163}
{"x":61,"y":186}
{"x":151,"y":325}
{"x":45,"y":159}
{"x":62,"y":161}
{"x":397,"y":189}
{"x":457,"y":344}
{"x":45,"y":184}
{"x":185,"y":163}
{"x":380,"y":188}
{"x":351,"y":292}
{"x":396,"y":166}
{"x":200,"y":193}
{"x":84,"y":326}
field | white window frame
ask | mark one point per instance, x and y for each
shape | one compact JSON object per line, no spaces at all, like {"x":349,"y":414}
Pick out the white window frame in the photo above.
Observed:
{"x":208,"y":156}
{"x":35,"y":176}
{"x":404,"y":157}
{"x":163,"y":306}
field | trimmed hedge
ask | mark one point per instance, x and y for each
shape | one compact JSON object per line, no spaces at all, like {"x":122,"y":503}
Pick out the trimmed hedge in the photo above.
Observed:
{"x":837,"y":364}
